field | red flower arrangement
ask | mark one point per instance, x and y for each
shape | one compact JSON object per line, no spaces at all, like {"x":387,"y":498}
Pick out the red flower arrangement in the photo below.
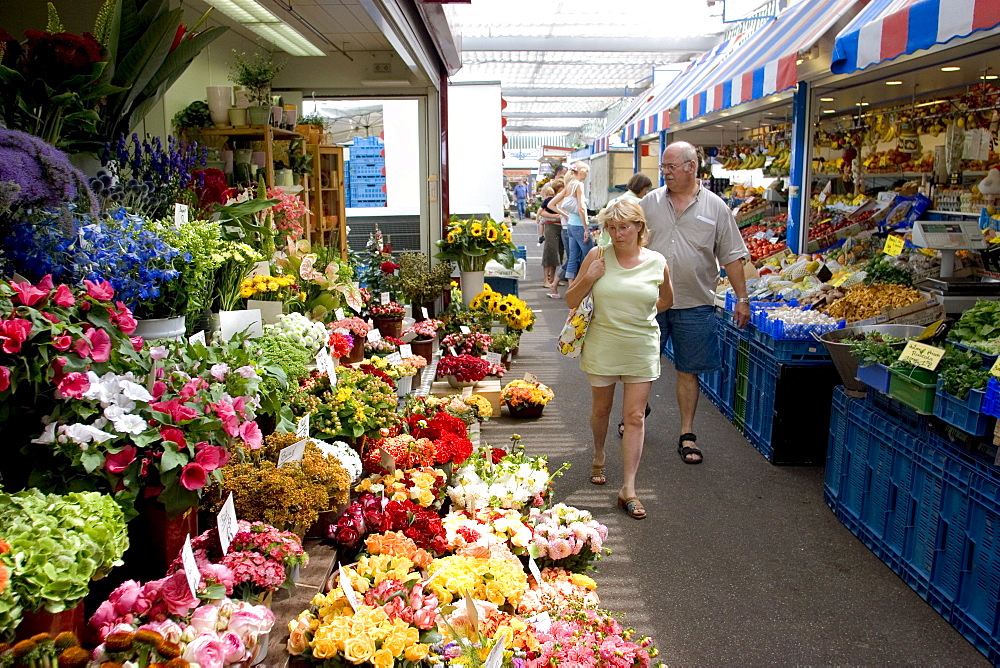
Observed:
{"x":388,"y":267}
{"x":211,"y":187}
{"x":340,"y":344}
{"x":465,"y":368}
{"x":448,"y":434}
{"x":378,"y":373}
{"x":388,"y":310}
{"x":373,"y":514}
{"x":406,"y":451}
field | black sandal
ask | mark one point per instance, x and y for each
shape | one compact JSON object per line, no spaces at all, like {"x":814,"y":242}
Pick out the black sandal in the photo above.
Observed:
{"x":686,"y":451}
{"x":621,"y":425}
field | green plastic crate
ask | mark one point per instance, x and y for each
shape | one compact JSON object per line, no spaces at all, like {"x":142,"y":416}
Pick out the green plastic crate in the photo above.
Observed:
{"x":914,"y":387}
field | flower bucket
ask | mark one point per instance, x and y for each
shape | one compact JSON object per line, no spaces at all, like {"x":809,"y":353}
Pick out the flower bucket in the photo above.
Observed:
{"x":522,"y":411}
{"x":160,"y":328}
{"x":260,"y":655}
{"x":357,"y":353}
{"x":423,"y":347}
{"x":404,"y":386}
{"x":472,"y":285}
{"x":389,"y":325}
{"x":157,"y":539}
{"x":459,"y":384}
{"x":70,"y":620}
{"x":259,"y":115}
{"x":269,"y":311}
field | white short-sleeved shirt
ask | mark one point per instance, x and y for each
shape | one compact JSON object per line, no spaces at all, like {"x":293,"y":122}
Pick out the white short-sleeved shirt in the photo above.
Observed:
{"x":695,"y":244}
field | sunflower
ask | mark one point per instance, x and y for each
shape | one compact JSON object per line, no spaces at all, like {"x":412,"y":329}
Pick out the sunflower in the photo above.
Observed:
{"x":476,"y":229}
{"x":506,"y":234}
{"x":492,"y":234}
{"x":452,"y":237}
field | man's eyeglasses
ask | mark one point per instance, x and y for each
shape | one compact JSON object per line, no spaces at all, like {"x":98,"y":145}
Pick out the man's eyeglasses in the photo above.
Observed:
{"x":671,"y":166}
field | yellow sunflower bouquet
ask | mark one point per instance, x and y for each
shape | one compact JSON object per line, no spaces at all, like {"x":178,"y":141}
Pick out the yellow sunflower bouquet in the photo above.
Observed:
{"x":474,"y":242}
{"x":509,"y":309}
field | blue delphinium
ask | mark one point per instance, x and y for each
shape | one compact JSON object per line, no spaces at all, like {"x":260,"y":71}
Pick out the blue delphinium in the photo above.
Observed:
{"x":45,"y":242}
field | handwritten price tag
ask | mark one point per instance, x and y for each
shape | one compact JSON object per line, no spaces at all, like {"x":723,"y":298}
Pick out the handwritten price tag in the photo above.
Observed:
{"x":394,"y":358}
{"x":302,"y":428}
{"x":465,"y":329}
{"x":373,"y":335}
{"x":406,"y":350}
{"x":332,"y":375}
{"x":893,"y":245}
{"x":191,"y":571}
{"x":293,"y":453}
{"x":423,"y":310}
{"x":922,"y":355}
{"x":198,"y":337}
{"x":530,"y":378}
{"x":348,"y":589}
{"x":493,"y":358}
{"x":339,"y":313}
{"x":227,"y":524}
{"x":533,"y":569}
{"x":384,"y":297}
{"x":837,"y":282}
{"x":180,"y":214}
{"x":466,"y":392}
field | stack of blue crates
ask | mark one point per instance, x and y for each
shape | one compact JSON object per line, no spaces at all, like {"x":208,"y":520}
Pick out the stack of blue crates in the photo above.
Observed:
{"x":366,"y":173}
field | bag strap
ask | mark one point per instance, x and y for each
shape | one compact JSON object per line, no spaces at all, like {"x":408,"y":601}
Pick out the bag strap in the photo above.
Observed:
{"x":600,"y":252}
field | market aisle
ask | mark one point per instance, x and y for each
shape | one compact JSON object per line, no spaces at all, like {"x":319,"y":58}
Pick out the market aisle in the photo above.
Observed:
{"x":739,"y":562}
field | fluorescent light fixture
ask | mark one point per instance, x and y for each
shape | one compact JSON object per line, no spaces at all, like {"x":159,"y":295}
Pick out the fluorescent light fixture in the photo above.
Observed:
{"x":860,"y":104}
{"x":829,"y":111}
{"x":826,"y":99}
{"x":988,"y":77}
{"x":893,"y":83}
{"x":951,"y":68}
{"x":258,"y":19}
{"x":799,"y":61}
{"x":385,"y":82}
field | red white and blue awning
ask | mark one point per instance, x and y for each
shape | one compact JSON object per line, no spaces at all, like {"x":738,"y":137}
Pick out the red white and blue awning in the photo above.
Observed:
{"x":600,"y":144}
{"x":887,"y":29}
{"x":766,"y":63}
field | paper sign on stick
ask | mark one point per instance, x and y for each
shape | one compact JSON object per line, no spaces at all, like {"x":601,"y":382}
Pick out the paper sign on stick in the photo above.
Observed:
{"x":228,"y":525}
{"x":302,"y":429}
{"x":339,"y":313}
{"x":197,"y":337}
{"x":373,"y":335}
{"x":493,"y":358}
{"x":180,"y":214}
{"x":893,"y":245}
{"x":470,"y":608}
{"x":466,"y":392}
{"x":394,"y":358}
{"x":533,"y":569}
{"x":234,"y":322}
{"x":530,"y":378}
{"x":465,"y":329}
{"x":495,"y":657}
{"x":406,"y":350}
{"x":384,"y":297}
{"x":191,"y":571}
{"x":348,"y":588}
{"x":293,"y":453}
{"x":388,"y":463}
{"x":922,"y":355}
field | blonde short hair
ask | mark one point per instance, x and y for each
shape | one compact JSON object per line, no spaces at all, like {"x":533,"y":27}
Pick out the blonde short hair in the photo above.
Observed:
{"x":577,"y":166}
{"x":557,"y":185}
{"x":547,"y":191}
{"x":625,"y":211}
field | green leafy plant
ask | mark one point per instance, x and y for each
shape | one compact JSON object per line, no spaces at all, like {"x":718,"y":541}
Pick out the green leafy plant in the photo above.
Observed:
{"x":883,"y":269}
{"x":979,"y":323}
{"x":958,"y":380}
{"x":420,"y":284}
{"x":314,"y":119}
{"x":255,"y":74}
{"x":195,"y":115}
{"x":876,"y":348}
{"x":504,"y":343}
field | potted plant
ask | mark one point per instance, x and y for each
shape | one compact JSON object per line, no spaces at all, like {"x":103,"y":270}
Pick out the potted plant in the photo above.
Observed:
{"x":524,"y":399}
{"x":268,"y":295}
{"x":192,"y":118}
{"x":463,"y":370}
{"x":255,"y":74}
{"x":504,"y":345}
{"x":472,"y":243}
{"x":422,"y":286}
{"x":388,"y":318}
{"x":298,"y":160}
{"x":425,"y":332}
{"x":358,"y":329}
{"x":312,"y":126}
{"x":473,"y":343}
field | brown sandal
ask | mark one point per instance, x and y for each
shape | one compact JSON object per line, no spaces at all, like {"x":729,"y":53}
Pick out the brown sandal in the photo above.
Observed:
{"x":632,"y":506}
{"x":597,"y":475}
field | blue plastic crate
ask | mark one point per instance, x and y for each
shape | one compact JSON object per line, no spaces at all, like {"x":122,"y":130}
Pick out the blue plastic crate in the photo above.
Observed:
{"x":782,"y":331}
{"x":368,"y":141}
{"x":991,"y":402}
{"x":965,"y":414}
{"x":729,"y":344}
{"x":875,"y":376}
{"x":366,"y":204}
{"x":793,"y":352}
{"x":924,"y":514}
{"x":761,"y":386}
{"x":989,"y":359}
{"x":835,"y":445}
{"x":521,"y":253}
{"x":367,"y":153}
{"x":354,"y":181}
{"x":365,"y":168}
{"x":975,"y":612}
{"x":505,"y":285}
{"x":709,"y":383}
{"x":363,"y":192}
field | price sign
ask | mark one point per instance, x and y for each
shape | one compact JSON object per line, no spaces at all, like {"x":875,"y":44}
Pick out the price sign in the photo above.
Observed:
{"x":384,"y":297}
{"x":922,"y":355}
{"x":542,"y":621}
{"x":466,"y":392}
{"x":198,"y":337}
{"x":332,"y":375}
{"x":406,"y":350}
{"x":394,"y":358}
{"x":773,"y":240}
{"x":293,"y":453}
{"x":995,"y":369}
{"x":498,"y":329}
{"x":532,"y":568}
{"x":760,"y":235}
{"x":493,"y":358}
{"x":451,"y":350}
{"x":339,"y":313}
{"x":495,"y":657}
{"x":191,"y":571}
{"x":348,"y":588}
{"x":465,"y":329}
{"x":388,"y":463}
{"x":227,"y":523}
{"x":530,"y":378}
{"x":423,"y":310}
{"x":893,"y":245}
{"x":373,"y":335}
{"x":180,"y":214}
{"x":470,"y":609}
{"x":821,"y":197}
{"x":840,"y":280}
{"x":302,"y":428}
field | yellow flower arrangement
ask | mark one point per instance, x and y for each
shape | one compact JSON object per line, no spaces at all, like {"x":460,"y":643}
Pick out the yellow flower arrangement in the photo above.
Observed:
{"x":366,"y":636}
{"x":424,"y":486}
{"x":482,"y":405}
{"x":514,"y":311}
{"x":518,"y":392}
{"x":473,"y":243}
{"x":397,"y":544}
{"x":498,"y":581}
{"x":268,"y":288}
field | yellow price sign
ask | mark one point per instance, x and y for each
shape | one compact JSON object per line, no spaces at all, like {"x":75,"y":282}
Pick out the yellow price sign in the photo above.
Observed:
{"x":840,"y":280}
{"x":930,"y":330}
{"x":995,"y":369}
{"x":893,"y":245}
{"x":922,"y":355}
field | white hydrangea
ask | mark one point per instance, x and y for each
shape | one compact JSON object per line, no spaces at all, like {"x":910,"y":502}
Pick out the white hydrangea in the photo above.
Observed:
{"x":349,"y":459}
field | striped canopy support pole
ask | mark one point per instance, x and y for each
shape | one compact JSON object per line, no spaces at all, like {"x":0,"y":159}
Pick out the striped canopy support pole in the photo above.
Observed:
{"x":799,"y":186}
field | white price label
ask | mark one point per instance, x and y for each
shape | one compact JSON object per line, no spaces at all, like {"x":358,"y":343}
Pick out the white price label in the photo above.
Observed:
{"x":495,"y":658}
{"x":406,"y":350}
{"x":493,"y":358}
{"x":772,"y":240}
{"x":760,"y":235}
{"x":324,"y":362}
{"x":530,"y":378}
{"x":542,"y":621}
{"x":227,"y":524}
{"x":388,"y":463}
{"x":373,"y":335}
{"x":384,"y":298}
{"x":191,"y":571}
{"x":466,"y":392}
{"x":332,"y":375}
{"x":197,"y":337}
{"x":471,"y":611}
{"x":423,"y":310}
{"x":394,"y":358}
{"x":339,"y":313}
{"x":180,"y":214}
{"x":465,"y":329}
{"x":302,"y":428}
{"x":451,"y":350}
{"x":348,"y":589}
{"x":533,"y":569}
{"x":293,"y":453}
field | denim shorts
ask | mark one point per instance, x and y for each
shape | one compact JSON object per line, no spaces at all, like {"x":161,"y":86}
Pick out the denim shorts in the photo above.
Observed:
{"x":695,"y":337}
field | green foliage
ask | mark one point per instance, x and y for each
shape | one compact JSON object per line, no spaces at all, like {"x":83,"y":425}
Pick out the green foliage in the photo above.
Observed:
{"x":195,"y":115}
{"x":256,"y":73}
{"x":979,"y":323}
{"x":314,"y":119}
{"x":883,"y":269}
{"x":420,"y":284}
{"x":876,"y":348}
{"x":276,"y":351}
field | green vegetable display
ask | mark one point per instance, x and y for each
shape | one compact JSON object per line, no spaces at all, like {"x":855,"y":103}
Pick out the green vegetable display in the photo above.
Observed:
{"x":876,"y":348}
{"x":979,"y":323}
{"x":884,"y":269}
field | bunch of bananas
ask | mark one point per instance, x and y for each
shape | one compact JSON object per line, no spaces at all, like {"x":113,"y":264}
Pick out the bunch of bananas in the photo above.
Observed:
{"x":745,"y":161}
{"x":885,"y":128}
{"x":782,"y":162}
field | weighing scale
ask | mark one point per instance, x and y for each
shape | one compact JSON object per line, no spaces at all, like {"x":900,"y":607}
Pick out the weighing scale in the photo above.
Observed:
{"x":957,"y":293}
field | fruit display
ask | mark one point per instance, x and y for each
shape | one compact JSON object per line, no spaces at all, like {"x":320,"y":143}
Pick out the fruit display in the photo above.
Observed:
{"x":750,"y":208}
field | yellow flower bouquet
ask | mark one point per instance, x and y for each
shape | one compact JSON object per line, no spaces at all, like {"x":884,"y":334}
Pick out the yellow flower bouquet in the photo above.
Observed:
{"x":511,"y":310}
{"x":472,"y":243}
{"x":268,"y":288}
{"x":497,"y":580}
{"x":518,"y":392}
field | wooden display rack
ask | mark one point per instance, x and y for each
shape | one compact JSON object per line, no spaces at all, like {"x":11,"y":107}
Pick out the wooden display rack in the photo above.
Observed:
{"x":324,"y":197}
{"x":265,"y":133}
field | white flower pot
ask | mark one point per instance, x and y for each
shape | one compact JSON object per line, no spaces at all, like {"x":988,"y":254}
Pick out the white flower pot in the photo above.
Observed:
{"x":220,"y":99}
{"x":404,"y":386}
{"x":160,"y":328}
{"x":472,"y":285}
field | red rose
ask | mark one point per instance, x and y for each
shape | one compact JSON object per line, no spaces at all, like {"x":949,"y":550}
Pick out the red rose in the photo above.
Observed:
{"x":63,"y":296}
{"x":4,"y":378}
{"x":58,"y":54}
{"x":389,"y":267}
{"x":118,"y":462}
{"x":28,"y":294}
{"x":100,"y":290}
{"x":174,"y":435}
{"x":176,"y":593}
{"x":346,"y":535}
{"x":193,"y":476}
{"x":14,"y":332}
{"x":62,"y":343}
{"x":73,"y":385}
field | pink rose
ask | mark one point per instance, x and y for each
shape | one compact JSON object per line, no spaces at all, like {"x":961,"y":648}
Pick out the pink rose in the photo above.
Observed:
{"x":174,"y":435}
{"x":62,"y":343}
{"x":193,"y":476}
{"x":233,"y":648}
{"x":250,"y":621}
{"x":137,"y":343}
{"x":171,"y":631}
{"x":105,"y":614}
{"x":14,"y":332}
{"x":117,"y":463}
{"x":28,"y":294}
{"x":218,"y":574}
{"x":205,"y":619}
{"x":100,"y":344}
{"x":73,"y":385}
{"x":206,"y":651}
{"x":177,"y":595}
{"x":251,"y":435}
{"x":4,"y":378}
{"x":425,"y":618}
{"x":100,"y":290}
{"x":63,"y":296}
{"x":210,"y":456}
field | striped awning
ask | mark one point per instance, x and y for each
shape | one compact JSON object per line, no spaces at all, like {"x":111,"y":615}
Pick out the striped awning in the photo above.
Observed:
{"x":766,"y":63}
{"x":887,"y":29}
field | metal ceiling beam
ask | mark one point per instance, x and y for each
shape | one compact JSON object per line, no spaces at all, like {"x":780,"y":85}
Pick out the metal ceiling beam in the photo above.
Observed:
{"x":568,"y":92}
{"x":694,"y":44}
{"x":542,"y":128}
{"x":556,"y":114}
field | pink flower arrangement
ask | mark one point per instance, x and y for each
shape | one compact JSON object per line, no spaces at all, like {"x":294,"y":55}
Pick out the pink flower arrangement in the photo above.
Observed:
{"x":588,"y":637}
{"x":288,"y":213}
{"x":426,"y":329}
{"x":465,"y":368}
{"x":558,"y":589}
{"x":354,"y":325}
{"x":340,"y":344}
{"x":566,"y":536}
{"x":473,"y":343}
{"x":387,"y":310}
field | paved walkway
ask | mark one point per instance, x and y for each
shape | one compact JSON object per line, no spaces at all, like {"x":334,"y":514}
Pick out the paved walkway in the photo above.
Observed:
{"x":739,"y":562}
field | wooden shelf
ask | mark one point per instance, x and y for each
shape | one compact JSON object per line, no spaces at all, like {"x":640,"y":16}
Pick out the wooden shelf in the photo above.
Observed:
{"x":258,"y":131}
{"x":327,"y":223}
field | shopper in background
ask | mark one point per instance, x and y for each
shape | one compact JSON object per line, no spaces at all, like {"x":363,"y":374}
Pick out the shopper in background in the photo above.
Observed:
{"x":638,"y":186}
{"x":572,"y":203}
{"x":506,"y":203}
{"x":551,"y":228}
{"x":521,"y":197}
{"x":630,"y":284}
{"x":695,"y":231}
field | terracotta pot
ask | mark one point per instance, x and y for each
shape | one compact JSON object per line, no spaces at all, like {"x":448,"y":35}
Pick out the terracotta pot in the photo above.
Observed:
{"x":525,"y":410}
{"x":389,"y":325}
{"x":423,"y":347}
{"x":157,"y":539}
{"x":357,"y":353}
{"x":70,"y":620}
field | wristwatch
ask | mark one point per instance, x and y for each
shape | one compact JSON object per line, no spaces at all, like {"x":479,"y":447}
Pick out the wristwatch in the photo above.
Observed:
{"x":743,"y":300}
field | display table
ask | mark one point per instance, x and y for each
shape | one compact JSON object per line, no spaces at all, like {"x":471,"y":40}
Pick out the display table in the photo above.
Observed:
{"x":487,"y":388}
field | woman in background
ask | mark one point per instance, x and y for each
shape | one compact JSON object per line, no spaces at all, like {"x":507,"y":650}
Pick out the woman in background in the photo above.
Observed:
{"x":572,"y":203}
{"x":551,"y":233}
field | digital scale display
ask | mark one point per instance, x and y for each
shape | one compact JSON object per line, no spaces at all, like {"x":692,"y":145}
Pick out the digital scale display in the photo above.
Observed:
{"x":951,"y":235}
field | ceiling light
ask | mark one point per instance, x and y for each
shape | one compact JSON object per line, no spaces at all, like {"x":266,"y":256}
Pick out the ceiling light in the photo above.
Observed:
{"x":720,"y":126}
{"x":826,"y":99}
{"x":988,"y":77}
{"x":829,"y":111}
{"x":799,"y":61}
{"x":893,"y":83}
{"x":258,"y":19}
{"x":951,"y":68}
{"x":860,"y":104}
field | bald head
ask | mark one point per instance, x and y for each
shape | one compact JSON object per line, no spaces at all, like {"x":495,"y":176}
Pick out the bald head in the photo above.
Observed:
{"x":679,"y":151}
